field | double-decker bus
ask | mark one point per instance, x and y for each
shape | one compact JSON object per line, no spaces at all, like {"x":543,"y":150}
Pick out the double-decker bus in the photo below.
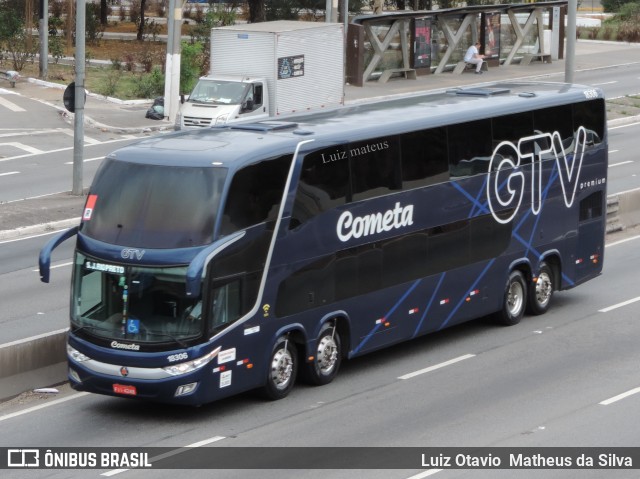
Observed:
{"x":244,"y":257}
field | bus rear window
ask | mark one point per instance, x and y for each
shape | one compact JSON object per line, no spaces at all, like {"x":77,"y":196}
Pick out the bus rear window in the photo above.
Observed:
{"x":153,"y":206}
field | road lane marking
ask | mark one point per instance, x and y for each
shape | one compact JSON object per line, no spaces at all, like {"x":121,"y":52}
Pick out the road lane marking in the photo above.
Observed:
{"x":619,"y":305}
{"x":437,"y":366}
{"x":169,"y":454}
{"x":619,"y":397}
{"x":59,"y":150}
{"x":620,"y":164}
{"x":10,"y":173}
{"x":22,"y":146}
{"x":86,"y":160}
{"x":61,"y":265}
{"x":10,"y":105}
{"x":427,"y":473}
{"x":42,"y":406}
{"x":633,"y":238}
{"x":624,"y":126}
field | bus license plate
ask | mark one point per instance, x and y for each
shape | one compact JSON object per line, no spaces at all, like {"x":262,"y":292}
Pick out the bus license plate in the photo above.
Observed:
{"x":123,"y":389}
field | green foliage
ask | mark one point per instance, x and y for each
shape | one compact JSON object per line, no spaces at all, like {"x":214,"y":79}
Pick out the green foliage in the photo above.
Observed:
{"x":150,"y":85}
{"x":219,"y":15}
{"x":93,"y":28}
{"x":189,"y":66}
{"x":613,"y":6}
{"x":11,"y":22}
{"x":109,"y":84}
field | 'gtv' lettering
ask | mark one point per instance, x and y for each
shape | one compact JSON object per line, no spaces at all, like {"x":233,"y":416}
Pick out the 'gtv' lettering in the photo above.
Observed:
{"x":349,"y":227}
{"x":505,"y":188}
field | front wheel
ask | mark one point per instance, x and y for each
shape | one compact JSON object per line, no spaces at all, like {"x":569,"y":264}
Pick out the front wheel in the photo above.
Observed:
{"x":327,"y":357}
{"x":283,"y":367}
{"x":515,"y":300}
{"x":541,"y":291}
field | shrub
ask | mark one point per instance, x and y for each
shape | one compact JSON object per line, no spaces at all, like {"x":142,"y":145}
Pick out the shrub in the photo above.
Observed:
{"x":150,"y":85}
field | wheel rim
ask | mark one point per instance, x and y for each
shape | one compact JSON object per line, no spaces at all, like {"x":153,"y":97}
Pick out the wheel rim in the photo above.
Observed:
{"x":281,"y":368}
{"x":327,"y":356}
{"x":515,"y":298}
{"x":544,"y":289}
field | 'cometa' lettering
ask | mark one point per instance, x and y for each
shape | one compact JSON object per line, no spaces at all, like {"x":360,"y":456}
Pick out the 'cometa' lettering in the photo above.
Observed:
{"x":349,"y":227}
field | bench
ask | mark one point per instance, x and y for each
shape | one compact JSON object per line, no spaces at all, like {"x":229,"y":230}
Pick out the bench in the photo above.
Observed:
{"x":462,"y":66}
{"x":10,"y":76}
{"x":543,"y":57}
{"x":409,"y":74}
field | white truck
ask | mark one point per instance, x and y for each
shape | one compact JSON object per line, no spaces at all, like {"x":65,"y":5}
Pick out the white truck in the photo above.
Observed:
{"x":265,"y":70}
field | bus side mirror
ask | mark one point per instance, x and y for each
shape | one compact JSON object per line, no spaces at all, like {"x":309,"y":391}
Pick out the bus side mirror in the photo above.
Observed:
{"x":44,"y":260}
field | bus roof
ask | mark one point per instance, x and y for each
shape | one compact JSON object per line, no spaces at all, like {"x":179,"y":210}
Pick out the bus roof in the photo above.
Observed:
{"x":239,"y":144}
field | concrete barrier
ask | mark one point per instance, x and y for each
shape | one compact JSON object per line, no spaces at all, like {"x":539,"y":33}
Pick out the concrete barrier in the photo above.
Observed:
{"x":33,"y":362}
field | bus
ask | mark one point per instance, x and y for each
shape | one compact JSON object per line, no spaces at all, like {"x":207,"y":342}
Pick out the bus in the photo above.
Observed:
{"x":250,"y":256}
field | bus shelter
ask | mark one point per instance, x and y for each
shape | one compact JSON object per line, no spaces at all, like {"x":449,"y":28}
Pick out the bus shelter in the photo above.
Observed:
{"x":411,"y":43}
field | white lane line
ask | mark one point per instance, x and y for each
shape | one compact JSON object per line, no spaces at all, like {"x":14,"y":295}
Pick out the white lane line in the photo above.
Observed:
{"x":32,"y":236}
{"x":619,"y":397}
{"x":623,"y":126}
{"x":64,"y":149}
{"x":605,"y":83}
{"x":437,"y":366}
{"x":22,"y":146}
{"x":611,"y":165}
{"x":61,"y":265}
{"x":612,"y":194}
{"x":619,"y":305}
{"x":86,"y":160}
{"x":622,"y":241}
{"x":10,"y":105}
{"x":613,"y":151}
{"x":10,"y":173}
{"x":41,"y":406}
{"x":169,"y":454}
{"x":427,"y":473}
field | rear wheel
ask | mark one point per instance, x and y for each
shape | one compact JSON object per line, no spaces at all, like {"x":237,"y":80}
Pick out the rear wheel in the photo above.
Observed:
{"x":515,"y":300}
{"x":541,"y":291}
{"x":327,"y":357}
{"x":283,"y":367}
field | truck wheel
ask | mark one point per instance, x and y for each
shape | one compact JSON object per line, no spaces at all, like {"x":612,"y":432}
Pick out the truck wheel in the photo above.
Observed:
{"x":541,"y":292}
{"x":283,"y":367}
{"x":515,"y":300}
{"x":327,"y":357}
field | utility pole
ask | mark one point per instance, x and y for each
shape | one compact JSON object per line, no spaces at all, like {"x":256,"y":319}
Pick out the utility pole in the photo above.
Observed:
{"x":172,"y":65}
{"x":569,"y":63}
{"x":78,"y":118}
{"x":44,"y":39}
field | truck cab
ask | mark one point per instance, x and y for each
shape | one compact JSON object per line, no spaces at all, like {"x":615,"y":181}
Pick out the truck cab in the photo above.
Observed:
{"x":217,"y":100}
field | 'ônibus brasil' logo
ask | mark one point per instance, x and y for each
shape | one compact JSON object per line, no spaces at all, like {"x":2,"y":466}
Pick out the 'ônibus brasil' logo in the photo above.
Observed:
{"x":349,"y":227}
{"x":506,"y":186}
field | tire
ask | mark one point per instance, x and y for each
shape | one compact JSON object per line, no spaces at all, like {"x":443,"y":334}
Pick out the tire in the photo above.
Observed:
{"x":283,"y":367}
{"x":327,"y":357}
{"x":515,"y":300}
{"x":541,"y":292}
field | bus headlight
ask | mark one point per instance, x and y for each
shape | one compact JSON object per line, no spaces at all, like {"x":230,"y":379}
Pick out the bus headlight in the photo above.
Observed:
{"x":76,"y":355}
{"x":190,"y":366}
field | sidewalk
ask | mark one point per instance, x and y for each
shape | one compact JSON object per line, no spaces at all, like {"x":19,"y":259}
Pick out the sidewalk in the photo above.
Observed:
{"x":56,"y":211}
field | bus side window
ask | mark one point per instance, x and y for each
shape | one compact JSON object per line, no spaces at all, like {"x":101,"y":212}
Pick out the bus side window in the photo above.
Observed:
{"x":255,"y":194}
{"x":323,"y":184}
{"x":469,"y":148}
{"x":424,"y":158}
{"x":374,"y":167}
{"x":225,"y":304}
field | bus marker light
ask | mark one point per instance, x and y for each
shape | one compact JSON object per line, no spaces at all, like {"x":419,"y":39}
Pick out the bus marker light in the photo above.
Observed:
{"x":444,"y":301}
{"x":380,"y":321}
{"x":413,"y":311}
{"x":579,"y":261}
{"x":386,"y":325}
{"x":310,"y":359}
{"x":249,"y":366}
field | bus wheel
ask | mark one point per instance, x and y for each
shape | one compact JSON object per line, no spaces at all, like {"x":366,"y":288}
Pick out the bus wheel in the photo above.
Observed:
{"x":541,"y":292}
{"x":515,"y":300}
{"x":283,"y":367}
{"x":327,"y":358}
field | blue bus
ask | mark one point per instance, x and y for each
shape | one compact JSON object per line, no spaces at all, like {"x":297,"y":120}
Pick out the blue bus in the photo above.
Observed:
{"x":251,"y":255}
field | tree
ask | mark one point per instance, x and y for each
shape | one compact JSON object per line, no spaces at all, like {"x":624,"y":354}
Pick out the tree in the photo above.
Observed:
{"x":257,"y":11}
{"x":104,"y":12}
{"x":140,"y":35}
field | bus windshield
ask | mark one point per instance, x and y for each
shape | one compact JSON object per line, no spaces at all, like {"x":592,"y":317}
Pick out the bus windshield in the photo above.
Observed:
{"x":152,"y":206}
{"x":133,"y":303}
